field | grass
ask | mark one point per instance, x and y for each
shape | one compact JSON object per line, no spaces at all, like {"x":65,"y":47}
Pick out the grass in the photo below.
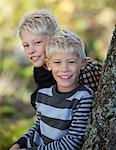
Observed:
{"x":15,"y":119}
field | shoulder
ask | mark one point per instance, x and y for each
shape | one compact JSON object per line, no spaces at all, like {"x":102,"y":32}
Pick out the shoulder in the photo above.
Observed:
{"x":85,"y":91}
{"x":85,"y":88}
{"x":47,"y":91}
{"x":85,"y":95}
{"x":91,"y":64}
{"x":82,"y":92}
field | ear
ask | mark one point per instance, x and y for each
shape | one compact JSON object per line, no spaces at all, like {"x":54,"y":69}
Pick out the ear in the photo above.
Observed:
{"x":84,"y":63}
{"x":47,"y":62}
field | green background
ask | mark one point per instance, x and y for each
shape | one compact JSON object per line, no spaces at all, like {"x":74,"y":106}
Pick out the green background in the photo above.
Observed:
{"x":92,"y":20}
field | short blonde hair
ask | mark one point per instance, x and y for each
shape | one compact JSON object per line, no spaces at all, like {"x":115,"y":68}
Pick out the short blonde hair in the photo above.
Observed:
{"x":65,"y":41}
{"x":40,"y":21}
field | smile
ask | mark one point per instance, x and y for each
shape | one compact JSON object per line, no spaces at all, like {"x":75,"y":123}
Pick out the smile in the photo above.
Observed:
{"x":65,"y":76}
{"x":35,"y":58}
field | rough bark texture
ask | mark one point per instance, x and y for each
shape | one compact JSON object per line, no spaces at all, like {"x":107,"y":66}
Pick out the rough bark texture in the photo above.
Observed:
{"x":101,"y":133}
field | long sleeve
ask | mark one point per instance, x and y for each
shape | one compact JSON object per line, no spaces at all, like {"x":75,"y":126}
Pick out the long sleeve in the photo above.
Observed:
{"x":90,"y":73}
{"x":43,"y":78}
{"x":74,"y":139}
{"x":32,"y":137}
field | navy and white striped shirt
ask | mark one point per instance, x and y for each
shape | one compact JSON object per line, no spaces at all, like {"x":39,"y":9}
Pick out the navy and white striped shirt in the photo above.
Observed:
{"x":61,"y":119}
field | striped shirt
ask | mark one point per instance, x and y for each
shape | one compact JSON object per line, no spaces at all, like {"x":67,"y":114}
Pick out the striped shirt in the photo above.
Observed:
{"x":61,"y":119}
{"x":89,"y":75}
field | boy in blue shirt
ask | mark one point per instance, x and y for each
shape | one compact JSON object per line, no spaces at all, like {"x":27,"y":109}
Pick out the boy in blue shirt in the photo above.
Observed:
{"x":34,"y":28}
{"x":62,"y":110}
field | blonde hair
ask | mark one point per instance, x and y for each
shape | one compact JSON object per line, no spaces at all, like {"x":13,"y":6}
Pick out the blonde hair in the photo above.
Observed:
{"x":40,"y":21}
{"x":65,"y":41}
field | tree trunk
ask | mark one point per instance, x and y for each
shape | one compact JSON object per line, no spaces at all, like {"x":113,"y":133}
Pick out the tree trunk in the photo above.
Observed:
{"x":101,"y":133}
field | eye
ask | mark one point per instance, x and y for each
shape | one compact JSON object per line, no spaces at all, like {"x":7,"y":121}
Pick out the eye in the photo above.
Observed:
{"x":56,"y":62}
{"x":26,"y":45}
{"x":72,"y":61}
{"x":37,"y":42}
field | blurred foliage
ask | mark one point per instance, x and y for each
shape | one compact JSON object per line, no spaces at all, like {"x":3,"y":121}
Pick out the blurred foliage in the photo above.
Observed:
{"x":92,"y":20}
{"x":10,"y":131}
{"x":16,"y":117}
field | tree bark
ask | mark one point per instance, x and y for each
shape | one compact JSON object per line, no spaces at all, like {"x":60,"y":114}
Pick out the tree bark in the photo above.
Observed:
{"x":101,"y":133}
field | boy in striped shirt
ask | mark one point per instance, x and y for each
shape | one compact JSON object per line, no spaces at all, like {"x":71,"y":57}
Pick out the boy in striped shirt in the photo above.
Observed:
{"x":33,"y":30}
{"x":62,"y":110}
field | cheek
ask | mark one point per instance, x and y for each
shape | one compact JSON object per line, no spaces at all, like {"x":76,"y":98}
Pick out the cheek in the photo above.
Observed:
{"x":54,"y":70}
{"x":77,"y":70}
{"x":26,"y":54}
{"x":42,"y":50}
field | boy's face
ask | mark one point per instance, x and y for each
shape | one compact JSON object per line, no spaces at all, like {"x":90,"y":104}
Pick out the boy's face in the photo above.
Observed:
{"x":65,"y":69}
{"x":34,"y":46}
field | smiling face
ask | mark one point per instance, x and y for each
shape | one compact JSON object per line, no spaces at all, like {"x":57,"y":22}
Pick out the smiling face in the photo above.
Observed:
{"x":34,"y":46}
{"x":65,"y":68}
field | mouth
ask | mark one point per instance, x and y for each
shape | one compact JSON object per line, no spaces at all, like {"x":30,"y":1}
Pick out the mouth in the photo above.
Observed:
{"x":65,"y":76}
{"x":35,"y":58}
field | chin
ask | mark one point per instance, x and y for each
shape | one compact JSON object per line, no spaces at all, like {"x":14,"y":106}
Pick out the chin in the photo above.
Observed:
{"x":37,"y":64}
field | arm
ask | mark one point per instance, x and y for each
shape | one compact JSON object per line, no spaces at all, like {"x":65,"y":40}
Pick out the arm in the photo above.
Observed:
{"x":28,"y":138}
{"x":15,"y":147}
{"x":90,"y":73}
{"x":74,"y":139}
{"x":43,"y":78}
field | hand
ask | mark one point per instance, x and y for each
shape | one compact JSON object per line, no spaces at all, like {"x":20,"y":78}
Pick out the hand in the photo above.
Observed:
{"x":15,"y":147}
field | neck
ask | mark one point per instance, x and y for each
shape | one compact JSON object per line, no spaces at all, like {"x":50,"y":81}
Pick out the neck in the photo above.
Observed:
{"x":69,"y":89}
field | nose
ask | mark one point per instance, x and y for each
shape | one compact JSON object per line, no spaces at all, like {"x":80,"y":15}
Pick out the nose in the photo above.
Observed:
{"x":65,"y":67}
{"x":31,"y":49}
